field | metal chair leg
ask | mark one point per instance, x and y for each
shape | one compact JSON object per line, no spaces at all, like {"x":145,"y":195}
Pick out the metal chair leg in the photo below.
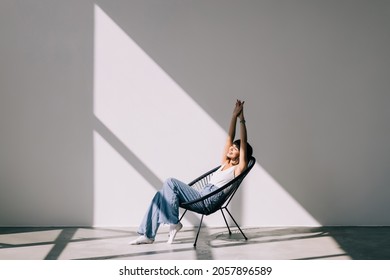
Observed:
{"x":230,"y":233}
{"x":200,"y":225}
{"x":236,"y":224}
{"x":183,"y":215}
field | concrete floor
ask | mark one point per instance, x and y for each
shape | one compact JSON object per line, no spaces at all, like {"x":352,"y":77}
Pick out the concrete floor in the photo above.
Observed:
{"x":282,"y":243}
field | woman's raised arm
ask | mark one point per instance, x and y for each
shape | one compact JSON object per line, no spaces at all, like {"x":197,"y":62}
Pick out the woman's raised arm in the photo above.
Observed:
{"x":243,"y":163}
{"x":232,"y":128}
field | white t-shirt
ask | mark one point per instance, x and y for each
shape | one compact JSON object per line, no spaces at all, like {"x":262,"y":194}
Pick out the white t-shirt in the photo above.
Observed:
{"x":221,"y":177}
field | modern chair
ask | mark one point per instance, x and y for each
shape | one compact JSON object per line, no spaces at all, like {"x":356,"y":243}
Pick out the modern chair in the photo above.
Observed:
{"x":225,"y":192}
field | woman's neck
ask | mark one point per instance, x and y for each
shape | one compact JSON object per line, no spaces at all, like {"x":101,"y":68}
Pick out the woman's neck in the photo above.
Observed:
{"x":229,"y":163}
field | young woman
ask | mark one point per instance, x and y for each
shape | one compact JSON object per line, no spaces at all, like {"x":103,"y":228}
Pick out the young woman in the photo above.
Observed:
{"x":164,"y":208}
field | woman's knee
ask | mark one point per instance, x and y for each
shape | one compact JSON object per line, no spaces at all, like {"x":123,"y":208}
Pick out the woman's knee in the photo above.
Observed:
{"x":170,"y":183}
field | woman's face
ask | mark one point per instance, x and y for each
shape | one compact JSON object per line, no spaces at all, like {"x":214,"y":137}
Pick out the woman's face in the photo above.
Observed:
{"x":233,"y":152}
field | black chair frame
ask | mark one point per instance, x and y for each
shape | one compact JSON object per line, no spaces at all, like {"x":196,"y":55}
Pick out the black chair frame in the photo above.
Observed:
{"x":226,"y":192}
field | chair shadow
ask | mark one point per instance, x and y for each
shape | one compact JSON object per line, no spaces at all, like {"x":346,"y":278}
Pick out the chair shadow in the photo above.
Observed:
{"x":274,"y":235}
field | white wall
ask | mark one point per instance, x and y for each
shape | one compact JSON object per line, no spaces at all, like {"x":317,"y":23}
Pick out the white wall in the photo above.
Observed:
{"x":101,"y":101}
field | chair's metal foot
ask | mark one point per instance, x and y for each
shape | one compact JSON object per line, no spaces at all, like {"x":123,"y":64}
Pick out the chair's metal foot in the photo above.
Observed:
{"x":197,"y":234}
{"x":236,"y":224}
{"x":227,"y":225}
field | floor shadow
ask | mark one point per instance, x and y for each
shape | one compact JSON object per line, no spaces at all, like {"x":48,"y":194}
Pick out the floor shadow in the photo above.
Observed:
{"x":139,"y":254}
{"x":359,"y":243}
{"x":13,"y":230}
{"x":64,"y":238}
{"x":60,"y":243}
{"x":363,"y":243}
{"x":266,"y":236}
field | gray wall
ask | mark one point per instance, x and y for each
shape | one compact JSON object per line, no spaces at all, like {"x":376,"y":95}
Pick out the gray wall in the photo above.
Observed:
{"x":314,"y":74}
{"x":45,"y":113}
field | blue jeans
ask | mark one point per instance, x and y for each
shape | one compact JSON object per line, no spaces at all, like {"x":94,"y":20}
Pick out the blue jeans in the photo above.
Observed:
{"x":164,"y":208}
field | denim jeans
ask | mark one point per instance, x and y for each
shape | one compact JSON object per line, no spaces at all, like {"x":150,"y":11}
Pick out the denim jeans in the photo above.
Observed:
{"x":164,"y":208}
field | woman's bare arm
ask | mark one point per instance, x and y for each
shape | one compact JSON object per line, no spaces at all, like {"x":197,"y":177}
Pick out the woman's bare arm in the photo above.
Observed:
{"x":243,"y":163}
{"x":232,"y":129}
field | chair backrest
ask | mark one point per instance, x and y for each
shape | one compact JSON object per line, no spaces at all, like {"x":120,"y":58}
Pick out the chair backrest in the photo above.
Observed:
{"x":231,"y":188}
{"x":224,"y":193}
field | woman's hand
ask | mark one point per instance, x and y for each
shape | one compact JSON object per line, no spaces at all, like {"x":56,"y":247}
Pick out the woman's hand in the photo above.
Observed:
{"x":239,"y":108}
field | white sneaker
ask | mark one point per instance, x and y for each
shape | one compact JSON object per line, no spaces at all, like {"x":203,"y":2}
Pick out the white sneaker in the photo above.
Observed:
{"x":173,"y":229}
{"x":141,"y":240}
